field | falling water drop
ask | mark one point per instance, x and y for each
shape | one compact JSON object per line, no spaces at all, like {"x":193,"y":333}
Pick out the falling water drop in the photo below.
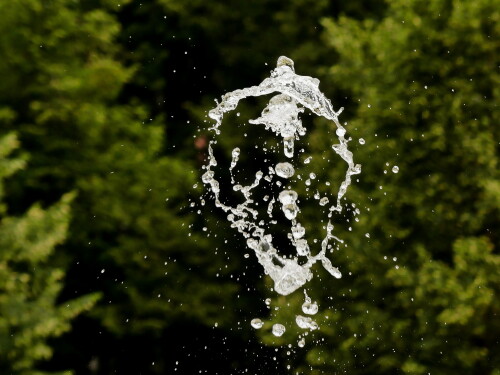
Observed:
{"x":309,"y":307}
{"x":278,"y":329}
{"x":256,"y":323}
{"x":306,"y":322}
{"x":323,"y":201}
{"x":284,"y":170}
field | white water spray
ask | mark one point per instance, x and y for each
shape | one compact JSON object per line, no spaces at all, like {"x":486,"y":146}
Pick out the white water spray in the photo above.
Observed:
{"x":281,"y":116}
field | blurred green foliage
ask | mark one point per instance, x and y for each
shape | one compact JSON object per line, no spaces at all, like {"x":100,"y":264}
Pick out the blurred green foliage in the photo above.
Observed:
{"x":29,"y":282}
{"x":108,"y":100}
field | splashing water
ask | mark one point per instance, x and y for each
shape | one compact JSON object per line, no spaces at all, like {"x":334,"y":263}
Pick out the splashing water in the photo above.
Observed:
{"x":281,"y":116}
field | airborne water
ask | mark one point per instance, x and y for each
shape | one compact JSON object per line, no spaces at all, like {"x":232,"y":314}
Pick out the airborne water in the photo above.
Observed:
{"x":294,"y":94}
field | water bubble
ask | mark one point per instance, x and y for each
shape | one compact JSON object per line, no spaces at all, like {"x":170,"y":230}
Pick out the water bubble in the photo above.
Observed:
{"x":256,"y":323}
{"x":308,"y":160}
{"x":395,"y":169}
{"x":301,"y":343}
{"x":278,"y":329}
{"x":268,"y":301}
{"x":361,"y":141}
{"x":323,"y":201}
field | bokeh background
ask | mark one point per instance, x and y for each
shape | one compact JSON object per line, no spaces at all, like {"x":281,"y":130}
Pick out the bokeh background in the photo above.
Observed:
{"x":109,"y":264}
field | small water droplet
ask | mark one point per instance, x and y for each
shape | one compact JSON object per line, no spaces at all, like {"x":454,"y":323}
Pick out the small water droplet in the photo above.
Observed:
{"x":361,"y":141}
{"x":395,"y":169}
{"x":256,"y":323}
{"x":323,"y":201}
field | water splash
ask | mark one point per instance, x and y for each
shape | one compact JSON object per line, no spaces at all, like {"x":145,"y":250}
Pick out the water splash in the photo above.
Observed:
{"x":281,"y":116}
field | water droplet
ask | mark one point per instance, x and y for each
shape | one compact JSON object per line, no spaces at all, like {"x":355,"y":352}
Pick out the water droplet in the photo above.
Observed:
{"x":395,"y":169}
{"x":323,"y":201}
{"x":287,"y":197}
{"x":361,"y":141}
{"x":291,"y":211}
{"x":310,"y":308}
{"x":278,"y":329}
{"x":298,"y":231}
{"x":301,"y":343}
{"x":288,"y":145}
{"x":308,"y":160}
{"x":256,"y":323}
{"x":306,"y":322}
{"x":284,"y":170}
{"x":340,"y":132}
{"x":302,"y":247}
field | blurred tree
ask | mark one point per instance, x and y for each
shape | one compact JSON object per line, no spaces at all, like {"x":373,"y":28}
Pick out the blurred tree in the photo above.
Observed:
{"x":29,"y":282}
{"x":130,"y":233}
{"x":420,"y":292}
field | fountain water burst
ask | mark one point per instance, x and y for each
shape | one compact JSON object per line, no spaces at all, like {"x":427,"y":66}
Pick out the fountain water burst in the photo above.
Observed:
{"x":281,"y":116}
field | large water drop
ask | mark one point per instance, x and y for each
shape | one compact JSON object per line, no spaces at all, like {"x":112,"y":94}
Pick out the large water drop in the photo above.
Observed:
{"x":285,"y":170}
{"x":256,"y":323}
{"x":278,"y":329}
